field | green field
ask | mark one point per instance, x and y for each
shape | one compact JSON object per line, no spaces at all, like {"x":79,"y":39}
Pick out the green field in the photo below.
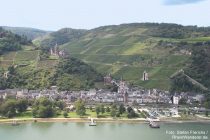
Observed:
{"x":197,"y":39}
{"x":129,"y":57}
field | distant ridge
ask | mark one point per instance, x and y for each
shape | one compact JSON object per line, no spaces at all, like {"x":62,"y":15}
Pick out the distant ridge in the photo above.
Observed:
{"x":30,"y":33}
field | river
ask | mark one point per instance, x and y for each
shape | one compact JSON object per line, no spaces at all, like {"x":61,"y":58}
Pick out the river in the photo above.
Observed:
{"x":103,"y":131}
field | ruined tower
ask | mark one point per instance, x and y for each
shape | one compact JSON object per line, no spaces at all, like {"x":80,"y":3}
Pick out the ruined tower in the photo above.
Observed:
{"x":145,"y":76}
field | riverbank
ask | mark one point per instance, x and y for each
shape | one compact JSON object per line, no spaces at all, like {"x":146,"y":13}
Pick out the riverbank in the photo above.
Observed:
{"x":71,"y":120}
{"x":111,"y":120}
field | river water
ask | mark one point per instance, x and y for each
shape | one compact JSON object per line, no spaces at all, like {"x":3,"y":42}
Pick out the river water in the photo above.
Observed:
{"x":103,"y":131}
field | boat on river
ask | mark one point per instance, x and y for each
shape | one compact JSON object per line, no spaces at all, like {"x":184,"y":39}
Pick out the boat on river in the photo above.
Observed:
{"x":92,"y":122}
{"x":154,"y":124}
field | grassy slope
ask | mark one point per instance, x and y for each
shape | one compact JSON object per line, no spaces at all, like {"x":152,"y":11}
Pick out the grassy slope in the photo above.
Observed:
{"x":123,"y":51}
{"x":29,"y":65}
{"x":127,"y":55}
{"x":27,"y":56}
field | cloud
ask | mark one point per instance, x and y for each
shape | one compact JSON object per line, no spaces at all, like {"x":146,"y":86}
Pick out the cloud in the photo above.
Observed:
{"x":181,"y":2}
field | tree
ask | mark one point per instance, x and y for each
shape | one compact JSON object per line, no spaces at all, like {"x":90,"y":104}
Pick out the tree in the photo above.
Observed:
{"x":129,"y":109}
{"x":107,"y":109}
{"x":207,"y":106}
{"x":121,"y":109}
{"x":102,"y":109}
{"x":183,"y":101}
{"x":207,"y":113}
{"x":118,"y":114}
{"x":114,"y":110}
{"x":22,"y":105}
{"x":80,"y":107}
{"x":3,"y":82}
{"x":60,"y":104}
{"x":43,"y":108}
{"x":8,"y":109}
{"x":45,"y":112}
{"x":132,"y":114}
{"x":114,"y":106}
{"x":65,"y":114}
{"x":98,"y":110}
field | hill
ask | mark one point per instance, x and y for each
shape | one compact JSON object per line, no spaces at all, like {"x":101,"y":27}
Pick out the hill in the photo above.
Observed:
{"x":125,"y":51}
{"x":59,"y":37}
{"x":10,"y":41}
{"x":23,"y":65}
{"x":32,"y":73}
{"x":30,"y":33}
{"x":128,"y":50}
{"x":195,"y":76}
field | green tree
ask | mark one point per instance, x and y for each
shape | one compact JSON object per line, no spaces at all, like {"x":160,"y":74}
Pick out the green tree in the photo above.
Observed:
{"x":129,"y":109}
{"x":80,"y":107}
{"x":3,"y":82}
{"x":43,"y":108}
{"x":22,"y":105}
{"x":114,"y":110}
{"x":132,"y":114}
{"x":8,"y":108}
{"x":207,"y":106}
{"x":121,"y":109}
{"x":183,"y":101}
{"x":65,"y":114}
{"x":45,"y":112}
{"x":107,"y":109}
{"x":98,"y":110}
{"x":207,"y":113}
{"x":60,"y":104}
{"x":102,"y":109}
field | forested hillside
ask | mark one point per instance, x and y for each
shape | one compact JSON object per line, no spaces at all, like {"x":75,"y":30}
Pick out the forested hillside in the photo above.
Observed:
{"x":62,"y":36}
{"x":128,"y":50}
{"x":124,"y":51}
{"x":10,"y":41}
{"x":74,"y":74}
{"x":198,"y":69}
{"x":24,"y":65}
{"x":68,"y":74}
{"x":30,"y":33}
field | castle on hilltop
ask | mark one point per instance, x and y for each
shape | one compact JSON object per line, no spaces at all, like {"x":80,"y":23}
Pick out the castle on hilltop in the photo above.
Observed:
{"x":55,"y":51}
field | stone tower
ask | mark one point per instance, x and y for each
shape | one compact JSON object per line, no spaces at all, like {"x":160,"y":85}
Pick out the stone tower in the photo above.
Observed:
{"x":145,"y":76}
{"x":107,"y":79}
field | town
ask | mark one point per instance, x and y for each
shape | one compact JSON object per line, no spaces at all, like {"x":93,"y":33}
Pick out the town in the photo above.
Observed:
{"x":156,"y":103}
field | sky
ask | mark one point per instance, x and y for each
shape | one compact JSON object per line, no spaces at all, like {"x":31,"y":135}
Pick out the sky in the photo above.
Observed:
{"x":87,"y":14}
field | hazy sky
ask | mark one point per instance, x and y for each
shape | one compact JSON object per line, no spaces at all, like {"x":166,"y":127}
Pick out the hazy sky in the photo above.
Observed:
{"x":56,"y":14}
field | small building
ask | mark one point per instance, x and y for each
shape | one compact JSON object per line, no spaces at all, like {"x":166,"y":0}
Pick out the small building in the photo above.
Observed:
{"x":175,"y":100}
{"x":145,"y":76}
